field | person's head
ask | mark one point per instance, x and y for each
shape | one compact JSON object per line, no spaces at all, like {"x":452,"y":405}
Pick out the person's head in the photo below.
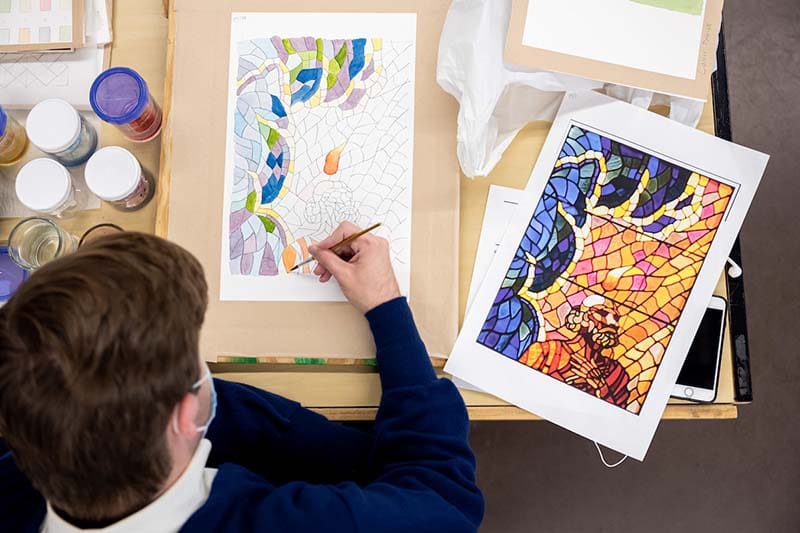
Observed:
{"x":98,"y":369}
{"x":597,"y":321}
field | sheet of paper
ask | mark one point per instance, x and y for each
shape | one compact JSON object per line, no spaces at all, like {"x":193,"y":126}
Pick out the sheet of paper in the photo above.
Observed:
{"x":621,"y":32}
{"x":24,"y":22}
{"x":597,"y":289}
{"x":11,"y":207}
{"x":97,"y":23}
{"x":26,"y":79}
{"x":320,"y":130}
{"x":501,"y":204}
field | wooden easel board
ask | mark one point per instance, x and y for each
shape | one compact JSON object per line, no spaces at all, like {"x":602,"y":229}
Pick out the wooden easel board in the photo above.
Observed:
{"x":519,"y":53}
{"x":190,"y":198}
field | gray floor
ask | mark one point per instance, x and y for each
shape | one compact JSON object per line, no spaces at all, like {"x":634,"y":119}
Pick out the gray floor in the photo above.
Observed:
{"x":726,"y":476}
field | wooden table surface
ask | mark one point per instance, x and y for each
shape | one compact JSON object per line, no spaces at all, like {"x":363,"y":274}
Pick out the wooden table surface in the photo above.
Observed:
{"x":140,"y":42}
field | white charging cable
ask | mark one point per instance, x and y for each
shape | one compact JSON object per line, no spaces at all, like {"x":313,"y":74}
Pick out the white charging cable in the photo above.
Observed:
{"x":603,"y":458}
{"x":735,"y":270}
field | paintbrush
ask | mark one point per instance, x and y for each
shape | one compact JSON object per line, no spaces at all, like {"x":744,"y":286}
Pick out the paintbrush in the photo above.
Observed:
{"x":339,"y":245}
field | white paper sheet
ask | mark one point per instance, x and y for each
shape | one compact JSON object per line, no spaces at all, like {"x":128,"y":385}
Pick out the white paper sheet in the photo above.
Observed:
{"x":97,"y":23}
{"x":283,"y":186}
{"x":621,"y":32}
{"x":501,"y":204}
{"x":27,"y":79}
{"x":590,"y":311}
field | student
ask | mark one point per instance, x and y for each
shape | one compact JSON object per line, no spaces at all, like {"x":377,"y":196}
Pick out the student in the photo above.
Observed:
{"x":114,"y":423}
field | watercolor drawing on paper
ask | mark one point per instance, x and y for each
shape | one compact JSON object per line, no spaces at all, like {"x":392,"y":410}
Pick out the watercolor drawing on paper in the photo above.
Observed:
{"x":322,"y":132}
{"x":690,"y":7}
{"x":605,"y":267}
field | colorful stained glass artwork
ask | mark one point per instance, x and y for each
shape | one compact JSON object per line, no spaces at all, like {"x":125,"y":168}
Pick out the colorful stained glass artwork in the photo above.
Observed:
{"x":595,"y":293}
{"x":322,"y":132}
{"x":604,"y":270}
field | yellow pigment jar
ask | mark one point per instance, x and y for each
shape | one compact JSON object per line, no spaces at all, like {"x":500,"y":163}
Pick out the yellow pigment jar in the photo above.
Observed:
{"x":13,"y":140}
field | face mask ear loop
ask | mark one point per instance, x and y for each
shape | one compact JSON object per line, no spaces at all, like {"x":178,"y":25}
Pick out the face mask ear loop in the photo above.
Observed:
{"x":196,"y":385}
{"x":606,"y":463}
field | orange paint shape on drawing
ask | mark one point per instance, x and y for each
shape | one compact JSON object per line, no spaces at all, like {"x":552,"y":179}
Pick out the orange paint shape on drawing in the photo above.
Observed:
{"x":332,"y":161}
{"x":294,"y":253}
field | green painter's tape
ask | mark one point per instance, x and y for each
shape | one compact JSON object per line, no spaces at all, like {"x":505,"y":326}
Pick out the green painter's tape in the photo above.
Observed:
{"x":247,"y":360}
{"x":309,"y":361}
{"x":690,"y":7}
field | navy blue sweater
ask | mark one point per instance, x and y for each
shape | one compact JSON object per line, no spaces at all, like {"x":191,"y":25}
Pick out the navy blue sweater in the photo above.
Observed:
{"x":283,"y":468}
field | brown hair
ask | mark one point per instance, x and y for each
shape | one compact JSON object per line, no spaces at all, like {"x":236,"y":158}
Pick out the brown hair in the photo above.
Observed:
{"x":96,"y":350}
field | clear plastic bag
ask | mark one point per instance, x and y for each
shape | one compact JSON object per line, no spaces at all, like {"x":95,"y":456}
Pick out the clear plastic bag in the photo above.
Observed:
{"x":497,"y":100}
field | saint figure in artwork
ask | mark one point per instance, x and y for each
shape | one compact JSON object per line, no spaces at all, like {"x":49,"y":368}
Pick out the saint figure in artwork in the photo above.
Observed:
{"x":585,"y":361}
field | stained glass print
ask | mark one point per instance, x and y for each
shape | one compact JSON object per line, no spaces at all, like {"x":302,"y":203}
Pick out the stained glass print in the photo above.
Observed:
{"x":604,"y":270}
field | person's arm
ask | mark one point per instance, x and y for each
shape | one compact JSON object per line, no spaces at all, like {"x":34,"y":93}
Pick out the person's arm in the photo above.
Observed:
{"x":422,"y":451}
{"x":282,"y":441}
{"x":424,"y":470}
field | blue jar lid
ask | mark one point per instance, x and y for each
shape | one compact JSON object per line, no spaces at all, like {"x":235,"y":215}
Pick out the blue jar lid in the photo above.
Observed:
{"x":3,"y":121}
{"x":11,"y":275}
{"x":119,"y":95}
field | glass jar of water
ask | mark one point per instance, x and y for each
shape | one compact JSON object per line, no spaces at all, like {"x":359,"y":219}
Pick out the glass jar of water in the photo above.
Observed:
{"x":35,"y":241}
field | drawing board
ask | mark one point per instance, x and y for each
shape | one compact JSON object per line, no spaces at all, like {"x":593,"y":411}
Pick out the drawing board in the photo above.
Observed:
{"x":256,"y":320}
{"x":596,"y":291}
{"x":666,"y":46}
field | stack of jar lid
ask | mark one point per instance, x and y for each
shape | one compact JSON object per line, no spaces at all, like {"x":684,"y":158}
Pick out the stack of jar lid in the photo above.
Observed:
{"x":118,"y":96}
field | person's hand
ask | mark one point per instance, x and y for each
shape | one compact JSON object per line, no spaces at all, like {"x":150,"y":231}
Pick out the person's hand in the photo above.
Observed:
{"x":363,"y":268}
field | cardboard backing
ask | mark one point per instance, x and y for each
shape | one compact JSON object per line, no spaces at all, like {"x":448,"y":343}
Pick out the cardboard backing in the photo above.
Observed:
{"x":520,"y":54}
{"x":190,"y":203}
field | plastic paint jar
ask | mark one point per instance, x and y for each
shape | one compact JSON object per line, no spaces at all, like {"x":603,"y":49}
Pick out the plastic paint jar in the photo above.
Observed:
{"x":45,"y":186}
{"x":36,"y":241}
{"x":13,"y":140}
{"x":56,"y":128}
{"x":114,"y":174}
{"x":120,"y":96}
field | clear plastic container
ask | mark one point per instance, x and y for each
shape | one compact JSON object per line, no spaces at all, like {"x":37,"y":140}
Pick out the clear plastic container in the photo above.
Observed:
{"x":36,"y":241}
{"x":56,"y":128}
{"x":45,"y":186}
{"x":120,"y":96}
{"x":114,"y":174}
{"x":13,"y":140}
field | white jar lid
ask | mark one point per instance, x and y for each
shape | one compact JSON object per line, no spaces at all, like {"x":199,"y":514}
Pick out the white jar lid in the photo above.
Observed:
{"x":113,"y":173}
{"x":53,"y":125}
{"x":43,"y":185}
